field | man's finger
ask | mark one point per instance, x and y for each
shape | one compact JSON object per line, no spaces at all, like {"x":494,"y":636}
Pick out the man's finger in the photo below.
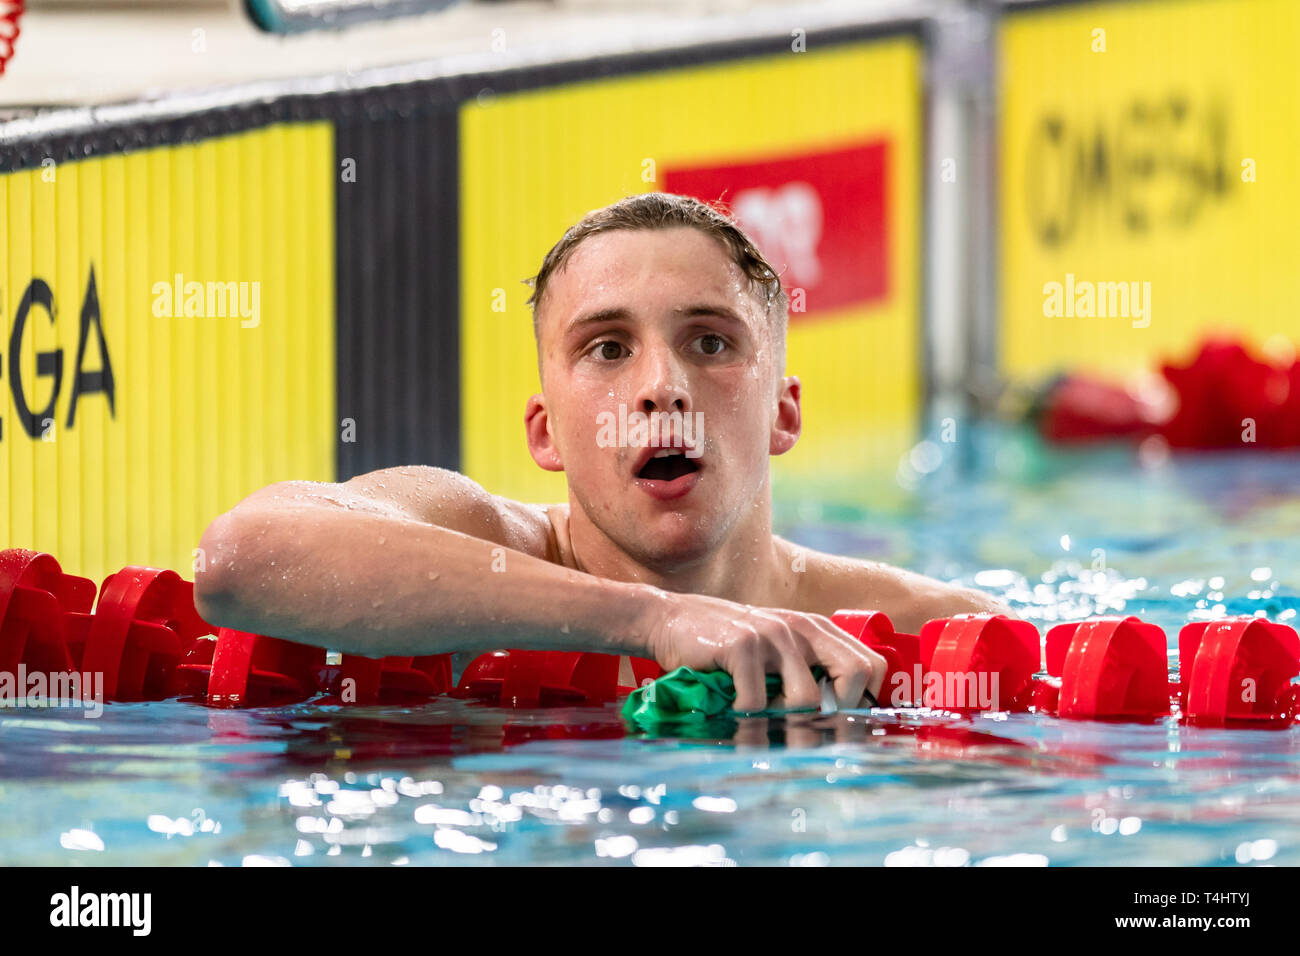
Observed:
{"x":750,"y":676}
{"x":798,"y":686}
{"x":849,"y":687}
{"x":851,"y":670}
{"x":876,"y":685}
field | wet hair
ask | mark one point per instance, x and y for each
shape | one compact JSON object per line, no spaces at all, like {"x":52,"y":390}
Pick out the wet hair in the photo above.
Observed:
{"x":668,"y":211}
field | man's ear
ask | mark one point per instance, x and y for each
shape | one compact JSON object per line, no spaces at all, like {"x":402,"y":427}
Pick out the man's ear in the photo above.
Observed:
{"x":540,"y":444}
{"x":789,"y":419}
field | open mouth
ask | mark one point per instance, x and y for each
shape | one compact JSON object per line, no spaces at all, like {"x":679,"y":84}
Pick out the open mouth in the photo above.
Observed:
{"x":668,"y":464}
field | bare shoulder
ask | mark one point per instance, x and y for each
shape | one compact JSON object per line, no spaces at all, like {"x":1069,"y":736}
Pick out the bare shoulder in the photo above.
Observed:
{"x":451,"y":500}
{"x":831,"y":582}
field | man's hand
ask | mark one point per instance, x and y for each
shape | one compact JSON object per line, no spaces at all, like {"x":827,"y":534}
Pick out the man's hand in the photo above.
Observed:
{"x":707,"y":633}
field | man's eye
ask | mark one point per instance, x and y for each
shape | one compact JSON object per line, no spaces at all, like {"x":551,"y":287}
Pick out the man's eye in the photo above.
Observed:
{"x":711,"y":344}
{"x":609,"y":350}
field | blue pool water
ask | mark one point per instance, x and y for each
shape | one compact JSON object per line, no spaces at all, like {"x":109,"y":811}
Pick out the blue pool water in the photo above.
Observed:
{"x":1060,"y":536}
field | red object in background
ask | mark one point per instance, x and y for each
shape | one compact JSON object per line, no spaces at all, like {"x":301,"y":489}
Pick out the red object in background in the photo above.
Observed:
{"x":902,"y":653}
{"x":1219,"y":394}
{"x":518,"y":678}
{"x":1084,"y":409}
{"x":967,"y":650}
{"x":820,"y":218}
{"x":1108,"y":667}
{"x":10,"y":11}
{"x":1221,"y":388}
{"x":1238,"y":669}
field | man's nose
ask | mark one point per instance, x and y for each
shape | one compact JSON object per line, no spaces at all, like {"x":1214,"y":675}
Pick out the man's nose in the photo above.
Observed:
{"x":664,"y":387}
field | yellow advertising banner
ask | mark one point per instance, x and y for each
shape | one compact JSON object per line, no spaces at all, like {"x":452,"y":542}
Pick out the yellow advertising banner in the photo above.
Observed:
{"x":817,"y":153}
{"x":167,"y":322}
{"x":1148,"y":180}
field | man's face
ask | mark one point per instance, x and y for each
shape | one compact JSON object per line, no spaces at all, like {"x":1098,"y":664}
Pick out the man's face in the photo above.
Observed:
{"x":665,"y":324}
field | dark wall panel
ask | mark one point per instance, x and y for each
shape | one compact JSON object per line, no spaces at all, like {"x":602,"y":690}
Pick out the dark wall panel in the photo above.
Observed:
{"x":398,"y":270}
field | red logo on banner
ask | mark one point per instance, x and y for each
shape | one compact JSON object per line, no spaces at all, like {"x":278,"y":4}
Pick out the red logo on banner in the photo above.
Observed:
{"x":10,"y":11}
{"x":821,"y":219}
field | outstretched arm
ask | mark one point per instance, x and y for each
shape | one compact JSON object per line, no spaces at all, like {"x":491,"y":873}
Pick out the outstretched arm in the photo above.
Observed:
{"x":424,"y":561}
{"x":401,"y":561}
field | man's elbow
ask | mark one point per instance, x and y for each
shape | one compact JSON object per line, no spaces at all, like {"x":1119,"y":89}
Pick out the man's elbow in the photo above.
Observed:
{"x":217,"y":575}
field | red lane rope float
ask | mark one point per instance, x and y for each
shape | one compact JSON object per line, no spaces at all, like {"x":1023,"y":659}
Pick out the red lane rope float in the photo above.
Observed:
{"x":1238,"y":670}
{"x":1108,"y":668}
{"x":518,"y":678}
{"x":36,"y":601}
{"x":992,"y":658}
{"x":143,"y":624}
{"x":148,"y":641}
{"x":392,"y":678}
{"x":253,"y":670}
{"x":902,"y":654}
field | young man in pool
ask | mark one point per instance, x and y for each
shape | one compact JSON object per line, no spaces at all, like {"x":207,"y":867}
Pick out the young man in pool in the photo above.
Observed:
{"x":657,"y":304}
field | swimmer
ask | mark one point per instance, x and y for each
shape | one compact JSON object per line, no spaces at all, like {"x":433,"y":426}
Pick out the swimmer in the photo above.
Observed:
{"x":658,"y":305}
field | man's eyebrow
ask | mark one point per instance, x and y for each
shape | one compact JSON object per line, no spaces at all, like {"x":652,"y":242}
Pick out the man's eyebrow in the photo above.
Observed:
{"x":707,"y":308}
{"x":612,"y":314}
{"x":617,"y":313}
